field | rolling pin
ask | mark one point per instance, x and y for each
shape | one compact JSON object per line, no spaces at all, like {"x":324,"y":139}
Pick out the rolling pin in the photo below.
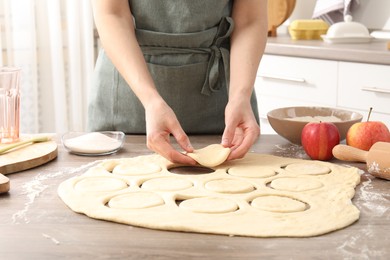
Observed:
{"x":377,"y":158}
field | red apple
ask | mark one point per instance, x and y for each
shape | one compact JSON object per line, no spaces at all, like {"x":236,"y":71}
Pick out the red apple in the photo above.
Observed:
{"x":319,"y":138}
{"x":363,"y":135}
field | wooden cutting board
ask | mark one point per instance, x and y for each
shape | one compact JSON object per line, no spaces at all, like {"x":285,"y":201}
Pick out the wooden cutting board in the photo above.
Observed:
{"x":24,"y":158}
{"x":278,"y":12}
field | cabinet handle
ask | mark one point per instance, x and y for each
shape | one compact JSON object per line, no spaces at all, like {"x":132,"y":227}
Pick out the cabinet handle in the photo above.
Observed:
{"x":301,"y":80}
{"x":376,"y":90}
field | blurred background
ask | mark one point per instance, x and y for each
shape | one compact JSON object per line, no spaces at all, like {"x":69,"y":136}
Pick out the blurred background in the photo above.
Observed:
{"x":55,"y":44}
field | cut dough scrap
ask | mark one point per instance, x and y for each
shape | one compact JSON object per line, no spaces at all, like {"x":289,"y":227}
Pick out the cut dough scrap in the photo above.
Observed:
{"x":210,"y":156}
{"x":278,"y":204}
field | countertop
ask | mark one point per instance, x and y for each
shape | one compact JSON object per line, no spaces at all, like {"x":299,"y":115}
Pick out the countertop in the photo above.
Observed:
{"x":36,"y":224}
{"x":374,"y":52}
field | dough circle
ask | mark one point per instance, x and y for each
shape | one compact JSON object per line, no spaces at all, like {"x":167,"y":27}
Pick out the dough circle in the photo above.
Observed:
{"x":210,"y":205}
{"x":229,"y":186}
{"x":278,"y":204}
{"x":100,"y":184}
{"x":295,"y":184}
{"x":135,"y":200}
{"x":167,"y":184}
{"x":136,"y":169}
{"x":308,"y":168}
{"x":252,"y":171}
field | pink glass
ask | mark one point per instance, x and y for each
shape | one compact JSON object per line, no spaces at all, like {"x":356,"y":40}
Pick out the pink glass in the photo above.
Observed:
{"x":9,"y":104}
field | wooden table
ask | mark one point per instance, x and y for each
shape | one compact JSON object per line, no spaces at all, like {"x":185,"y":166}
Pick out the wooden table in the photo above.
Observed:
{"x":36,"y":224}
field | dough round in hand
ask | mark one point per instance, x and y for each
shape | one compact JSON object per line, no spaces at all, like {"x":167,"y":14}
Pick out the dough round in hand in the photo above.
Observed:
{"x":210,"y":156}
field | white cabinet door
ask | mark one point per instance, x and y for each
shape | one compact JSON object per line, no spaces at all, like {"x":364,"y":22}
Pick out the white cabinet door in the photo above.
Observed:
{"x":362,"y":86}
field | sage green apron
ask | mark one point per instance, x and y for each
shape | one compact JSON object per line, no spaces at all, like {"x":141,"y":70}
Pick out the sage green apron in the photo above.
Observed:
{"x":186,"y":47}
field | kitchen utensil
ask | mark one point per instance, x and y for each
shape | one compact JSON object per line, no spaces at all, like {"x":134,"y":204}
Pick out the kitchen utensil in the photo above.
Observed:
{"x":23,"y":158}
{"x":288,"y":122}
{"x":37,"y":139}
{"x":278,"y":12}
{"x":377,"y":158}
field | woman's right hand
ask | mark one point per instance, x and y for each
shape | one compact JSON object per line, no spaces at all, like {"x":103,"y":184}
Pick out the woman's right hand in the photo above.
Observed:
{"x":161,"y":122}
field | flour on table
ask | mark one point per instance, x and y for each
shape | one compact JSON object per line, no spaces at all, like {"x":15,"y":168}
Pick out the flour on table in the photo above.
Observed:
{"x":259,"y":196}
{"x":92,"y":143}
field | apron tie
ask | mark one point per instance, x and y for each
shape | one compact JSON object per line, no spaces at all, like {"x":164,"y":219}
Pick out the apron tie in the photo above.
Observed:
{"x":218,"y":65}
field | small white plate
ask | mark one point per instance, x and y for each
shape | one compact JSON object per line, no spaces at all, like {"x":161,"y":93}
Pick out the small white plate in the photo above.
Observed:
{"x":93,"y":143}
{"x":362,"y":39}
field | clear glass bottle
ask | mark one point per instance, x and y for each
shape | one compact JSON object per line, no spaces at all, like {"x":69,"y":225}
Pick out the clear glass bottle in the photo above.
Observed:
{"x":9,"y":104}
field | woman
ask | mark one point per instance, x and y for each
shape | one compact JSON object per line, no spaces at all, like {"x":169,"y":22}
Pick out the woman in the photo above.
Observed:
{"x":166,"y":66}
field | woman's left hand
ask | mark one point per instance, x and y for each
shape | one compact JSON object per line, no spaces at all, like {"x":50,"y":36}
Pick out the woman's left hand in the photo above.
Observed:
{"x":241,"y":130}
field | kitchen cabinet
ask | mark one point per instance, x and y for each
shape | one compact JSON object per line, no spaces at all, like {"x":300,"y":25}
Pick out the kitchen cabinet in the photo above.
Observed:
{"x":361,"y":86}
{"x":296,"y":81}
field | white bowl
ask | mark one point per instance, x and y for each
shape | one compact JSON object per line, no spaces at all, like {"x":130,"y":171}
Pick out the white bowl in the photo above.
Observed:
{"x":93,"y":143}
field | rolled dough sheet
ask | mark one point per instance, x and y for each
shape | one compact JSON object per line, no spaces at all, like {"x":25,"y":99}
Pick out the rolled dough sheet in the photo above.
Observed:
{"x":259,"y":196}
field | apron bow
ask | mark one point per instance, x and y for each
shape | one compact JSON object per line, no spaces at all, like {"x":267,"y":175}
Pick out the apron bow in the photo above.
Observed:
{"x":218,"y":65}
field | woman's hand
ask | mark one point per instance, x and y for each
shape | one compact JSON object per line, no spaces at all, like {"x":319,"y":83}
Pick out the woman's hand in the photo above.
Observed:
{"x":161,"y":122}
{"x":247,"y":45}
{"x":241,"y":130}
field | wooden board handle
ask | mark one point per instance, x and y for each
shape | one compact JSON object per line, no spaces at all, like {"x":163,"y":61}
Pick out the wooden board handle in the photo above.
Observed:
{"x":348,"y":153}
{"x":4,"y":184}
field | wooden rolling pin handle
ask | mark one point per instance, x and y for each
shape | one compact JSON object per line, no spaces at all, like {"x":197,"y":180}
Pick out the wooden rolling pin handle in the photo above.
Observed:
{"x":4,"y":184}
{"x":348,"y":153}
